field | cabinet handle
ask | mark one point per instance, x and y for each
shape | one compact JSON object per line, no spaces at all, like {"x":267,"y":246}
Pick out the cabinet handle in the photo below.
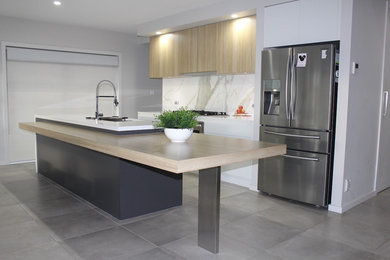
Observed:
{"x":301,"y":158}
{"x":293,"y":135}
{"x":287,"y":84}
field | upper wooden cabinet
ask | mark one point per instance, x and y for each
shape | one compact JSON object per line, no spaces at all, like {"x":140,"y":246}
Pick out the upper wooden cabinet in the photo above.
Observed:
{"x":226,"y":47}
{"x":236,"y":46}
{"x":197,"y":49}
{"x":207,"y":48}
{"x":164,"y":56}
{"x":188,"y":50}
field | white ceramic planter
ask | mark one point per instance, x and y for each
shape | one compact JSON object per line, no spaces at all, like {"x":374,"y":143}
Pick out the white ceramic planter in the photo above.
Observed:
{"x":178,"y":135}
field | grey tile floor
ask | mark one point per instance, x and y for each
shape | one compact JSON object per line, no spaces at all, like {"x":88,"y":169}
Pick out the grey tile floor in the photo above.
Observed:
{"x":40,"y":220}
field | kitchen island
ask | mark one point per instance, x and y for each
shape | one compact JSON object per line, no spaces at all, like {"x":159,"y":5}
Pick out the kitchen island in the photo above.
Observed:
{"x":144,"y":168}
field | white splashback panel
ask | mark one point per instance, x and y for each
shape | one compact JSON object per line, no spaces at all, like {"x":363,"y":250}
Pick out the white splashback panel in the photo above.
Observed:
{"x":222,"y":93}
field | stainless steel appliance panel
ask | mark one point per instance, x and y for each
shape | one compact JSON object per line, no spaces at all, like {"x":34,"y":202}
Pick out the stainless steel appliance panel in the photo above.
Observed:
{"x":296,"y":175}
{"x":199,"y":128}
{"x":275,"y":83}
{"x":306,"y":140}
{"x":311,"y":87}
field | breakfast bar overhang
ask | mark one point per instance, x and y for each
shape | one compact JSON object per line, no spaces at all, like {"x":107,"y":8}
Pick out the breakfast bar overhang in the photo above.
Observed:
{"x":152,"y":158}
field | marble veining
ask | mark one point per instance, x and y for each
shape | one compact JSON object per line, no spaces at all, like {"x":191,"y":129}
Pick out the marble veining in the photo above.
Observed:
{"x":222,"y":93}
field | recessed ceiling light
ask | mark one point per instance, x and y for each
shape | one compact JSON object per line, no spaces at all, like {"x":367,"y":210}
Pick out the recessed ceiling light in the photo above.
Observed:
{"x":158,"y":33}
{"x":57,"y":3}
{"x":234,"y":15}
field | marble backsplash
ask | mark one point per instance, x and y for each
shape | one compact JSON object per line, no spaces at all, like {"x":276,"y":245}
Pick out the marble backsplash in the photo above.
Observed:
{"x":223,"y":93}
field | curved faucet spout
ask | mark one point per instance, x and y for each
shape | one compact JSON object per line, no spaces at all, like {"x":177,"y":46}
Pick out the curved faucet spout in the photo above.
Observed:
{"x":99,"y":85}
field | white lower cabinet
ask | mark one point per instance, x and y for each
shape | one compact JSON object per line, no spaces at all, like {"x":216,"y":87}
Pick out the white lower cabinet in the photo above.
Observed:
{"x":236,"y":173}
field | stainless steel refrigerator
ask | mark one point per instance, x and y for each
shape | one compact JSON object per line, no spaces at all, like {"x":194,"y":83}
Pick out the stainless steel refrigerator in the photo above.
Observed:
{"x":298,"y":107}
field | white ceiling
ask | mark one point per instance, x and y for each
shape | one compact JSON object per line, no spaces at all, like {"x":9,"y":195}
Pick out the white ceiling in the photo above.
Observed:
{"x":115,"y":15}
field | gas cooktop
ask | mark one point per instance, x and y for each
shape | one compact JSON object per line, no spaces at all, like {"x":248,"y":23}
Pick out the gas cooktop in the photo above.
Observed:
{"x":209,"y":113}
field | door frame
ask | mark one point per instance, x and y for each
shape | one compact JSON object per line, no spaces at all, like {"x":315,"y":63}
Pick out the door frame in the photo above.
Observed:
{"x":386,"y":46}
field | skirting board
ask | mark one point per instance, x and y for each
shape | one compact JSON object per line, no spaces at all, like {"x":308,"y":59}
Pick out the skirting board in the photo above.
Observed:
{"x":350,"y":205}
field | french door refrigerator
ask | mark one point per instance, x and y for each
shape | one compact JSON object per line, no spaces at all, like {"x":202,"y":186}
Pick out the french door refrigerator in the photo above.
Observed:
{"x":298,"y":108}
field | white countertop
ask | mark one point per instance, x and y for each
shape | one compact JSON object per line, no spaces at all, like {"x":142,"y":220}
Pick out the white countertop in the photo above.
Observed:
{"x":130,"y":124}
{"x":226,"y":118}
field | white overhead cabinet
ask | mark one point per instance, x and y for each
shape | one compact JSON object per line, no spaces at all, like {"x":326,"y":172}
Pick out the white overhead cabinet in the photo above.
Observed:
{"x":300,"y":22}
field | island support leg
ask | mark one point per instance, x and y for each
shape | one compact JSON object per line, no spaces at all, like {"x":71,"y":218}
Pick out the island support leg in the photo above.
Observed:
{"x":208,"y":208}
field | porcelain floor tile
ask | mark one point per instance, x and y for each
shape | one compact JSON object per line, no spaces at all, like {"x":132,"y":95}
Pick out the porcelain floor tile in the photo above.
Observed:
{"x":165,"y":228}
{"x":295,"y":216}
{"x":303,"y":247}
{"x":57,"y":207}
{"x":354,"y":234}
{"x":249,"y":201}
{"x":13,"y":214}
{"x":114,"y":243}
{"x":368,"y":215}
{"x":49,"y":251}
{"x":23,"y":236}
{"x":229,"y":249}
{"x":157,"y":254}
{"x":258,"y":232}
{"x":77,"y":223}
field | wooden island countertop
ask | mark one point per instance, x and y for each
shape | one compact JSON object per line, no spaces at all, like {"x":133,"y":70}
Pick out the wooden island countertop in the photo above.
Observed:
{"x":154,"y":149}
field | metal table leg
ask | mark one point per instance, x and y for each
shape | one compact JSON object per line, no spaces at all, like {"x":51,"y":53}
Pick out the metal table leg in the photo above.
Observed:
{"x":208,"y":208}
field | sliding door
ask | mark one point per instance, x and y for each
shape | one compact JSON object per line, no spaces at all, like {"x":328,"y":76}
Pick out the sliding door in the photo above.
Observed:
{"x":41,"y":82}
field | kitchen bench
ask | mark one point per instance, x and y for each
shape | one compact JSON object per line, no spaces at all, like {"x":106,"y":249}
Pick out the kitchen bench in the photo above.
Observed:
{"x":63,"y":150}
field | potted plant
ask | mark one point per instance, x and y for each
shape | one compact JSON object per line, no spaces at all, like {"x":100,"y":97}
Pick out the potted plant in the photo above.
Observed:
{"x":178,"y":125}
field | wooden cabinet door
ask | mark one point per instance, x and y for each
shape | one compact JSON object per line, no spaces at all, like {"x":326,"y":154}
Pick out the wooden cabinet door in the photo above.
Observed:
{"x":207,"y":48}
{"x":197,"y":49}
{"x":188,"y":50}
{"x":164,"y":56}
{"x":236,"y":46}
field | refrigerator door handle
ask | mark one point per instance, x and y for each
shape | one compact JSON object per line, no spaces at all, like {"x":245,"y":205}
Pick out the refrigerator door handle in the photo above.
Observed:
{"x":287,"y":84}
{"x":293,"y":135}
{"x":386,"y":102}
{"x":301,"y":158}
{"x":293,"y":97}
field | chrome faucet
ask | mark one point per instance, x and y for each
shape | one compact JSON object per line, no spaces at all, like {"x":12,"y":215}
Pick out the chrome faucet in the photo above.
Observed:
{"x":102,"y":83}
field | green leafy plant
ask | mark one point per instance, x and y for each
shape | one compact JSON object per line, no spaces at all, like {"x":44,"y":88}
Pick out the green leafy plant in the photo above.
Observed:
{"x":181,"y":118}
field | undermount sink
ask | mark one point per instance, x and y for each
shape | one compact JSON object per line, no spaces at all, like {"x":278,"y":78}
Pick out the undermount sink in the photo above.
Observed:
{"x":110,"y":118}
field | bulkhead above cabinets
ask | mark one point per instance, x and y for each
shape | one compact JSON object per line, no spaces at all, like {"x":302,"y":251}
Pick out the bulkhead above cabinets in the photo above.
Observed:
{"x":225,"y":48}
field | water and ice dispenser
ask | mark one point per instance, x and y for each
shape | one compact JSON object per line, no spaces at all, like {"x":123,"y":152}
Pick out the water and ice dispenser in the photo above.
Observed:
{"x":271,"y":95}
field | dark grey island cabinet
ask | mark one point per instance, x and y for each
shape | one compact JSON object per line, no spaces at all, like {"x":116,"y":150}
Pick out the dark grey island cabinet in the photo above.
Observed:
{"x":120,"y":187}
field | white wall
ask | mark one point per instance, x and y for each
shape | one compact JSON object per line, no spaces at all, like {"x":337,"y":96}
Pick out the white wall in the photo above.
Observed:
{"x":342,"y":106}
{"x":139,"y":93}
{"x":363,"y":102}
